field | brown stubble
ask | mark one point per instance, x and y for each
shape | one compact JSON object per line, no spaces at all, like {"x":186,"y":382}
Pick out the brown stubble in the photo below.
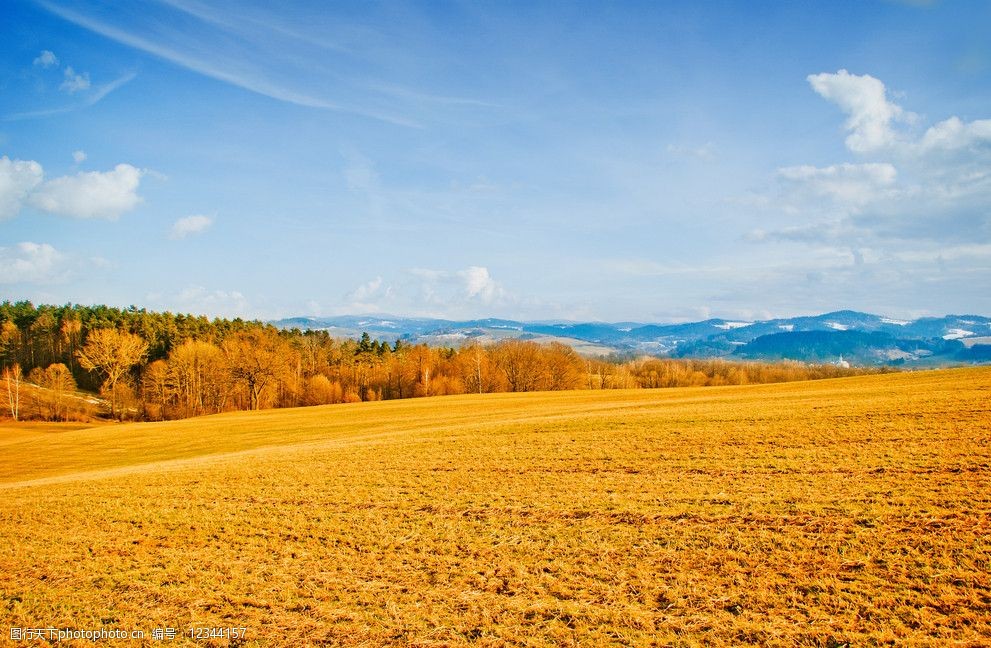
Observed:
{"x":852,"y":510}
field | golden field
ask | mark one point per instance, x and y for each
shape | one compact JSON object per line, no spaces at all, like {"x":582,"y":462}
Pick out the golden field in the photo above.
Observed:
{"x":817,"y":513}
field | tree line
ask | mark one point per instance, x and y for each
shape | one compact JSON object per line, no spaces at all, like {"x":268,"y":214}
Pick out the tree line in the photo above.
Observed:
{"x":155,"y":366}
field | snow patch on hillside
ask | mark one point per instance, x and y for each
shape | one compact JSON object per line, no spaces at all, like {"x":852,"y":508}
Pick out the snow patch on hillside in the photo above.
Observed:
{"x":732,"y":325}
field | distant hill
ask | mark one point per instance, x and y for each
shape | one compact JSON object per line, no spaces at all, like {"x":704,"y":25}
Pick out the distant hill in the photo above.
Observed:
{"x":855,"y":347}
{"x":860,"y":338}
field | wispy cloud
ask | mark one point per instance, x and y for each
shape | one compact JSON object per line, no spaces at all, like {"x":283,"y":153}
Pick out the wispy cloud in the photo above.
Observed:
{"x":185,"y":60}
{"x":102,"y":91}
{"x":401,"y":92}
{"x":247,"y":24}
{"x":237,"y":69}
{"x":258,"y":28}
{"x":305,"y":60}
{"x":91,"y":98}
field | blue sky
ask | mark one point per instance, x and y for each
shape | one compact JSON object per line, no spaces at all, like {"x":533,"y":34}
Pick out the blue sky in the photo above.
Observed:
{"x":615,"y":161}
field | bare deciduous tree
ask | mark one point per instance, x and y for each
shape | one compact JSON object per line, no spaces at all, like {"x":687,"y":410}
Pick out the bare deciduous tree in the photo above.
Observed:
{"x":112,"y":353}
{"x":12,"y":376}
{"x":256,"y":360}
{"x":57,"y":384}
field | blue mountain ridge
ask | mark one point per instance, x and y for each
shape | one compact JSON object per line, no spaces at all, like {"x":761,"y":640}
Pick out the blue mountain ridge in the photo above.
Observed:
{"x":859,"y":338}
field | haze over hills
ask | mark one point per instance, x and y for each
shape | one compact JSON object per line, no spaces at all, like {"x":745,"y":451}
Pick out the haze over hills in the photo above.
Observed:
{"x":851,"y":336}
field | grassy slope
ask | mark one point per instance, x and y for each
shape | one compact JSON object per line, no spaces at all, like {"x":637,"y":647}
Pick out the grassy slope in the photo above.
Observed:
{"x":849,"y":510}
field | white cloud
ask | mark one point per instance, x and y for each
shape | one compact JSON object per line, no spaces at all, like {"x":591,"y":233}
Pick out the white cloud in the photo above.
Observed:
{"x":849,"y":185}
{"x":85,"y":195}
{"x":367,"y":291}
{"x":202,"y":301}
{"x":102,"y":91}
{"x":954,"y":134}
{"x":90,"y":99}
{"x":865,"y":100}
{"x":46,"y":59}
{"x":237,"y":57}
{"x":18,"y":178}
{"x":79,"y":156}
{"x":473,"y":284}
{"x":31,"y":263}
{"x":73,"y":82}
{"x":479,"y":284}
{"x":426,"y":292}
{"x":190,"y":225}
{"x":370,"y":297}
{"x":938,"y":195}
{"x":91,"y":194}
{"x":829,"y":231}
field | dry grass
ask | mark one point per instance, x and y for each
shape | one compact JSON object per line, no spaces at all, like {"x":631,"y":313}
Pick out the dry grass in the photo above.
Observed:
{"x":853,"y":510}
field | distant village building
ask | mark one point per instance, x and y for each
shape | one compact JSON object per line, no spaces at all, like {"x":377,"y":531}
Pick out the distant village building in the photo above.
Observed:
{"x":843,"y":364}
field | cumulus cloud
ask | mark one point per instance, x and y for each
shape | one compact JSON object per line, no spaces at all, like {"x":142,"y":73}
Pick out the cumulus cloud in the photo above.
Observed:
{"x":367,"y":291}
{"x":479,"y":284}
{"x":18,"y":178}
{"x":79,"y":156}
{"x":91,"y":194}
{"x":864,"y":99}
{"x":73,"y":82}
{"x":190,"y":225}
{"x":934,"y":191}
{"x":473,"y":284}
{"x":29,"y":262}
{"x":46,"y":59}
{"x":85,"y":195}
{"x":954,"y":134}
